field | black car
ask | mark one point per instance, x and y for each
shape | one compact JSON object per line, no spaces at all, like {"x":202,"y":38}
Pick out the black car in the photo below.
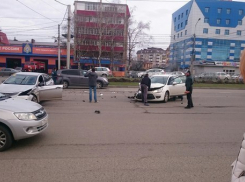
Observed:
{"x":76,"y":77}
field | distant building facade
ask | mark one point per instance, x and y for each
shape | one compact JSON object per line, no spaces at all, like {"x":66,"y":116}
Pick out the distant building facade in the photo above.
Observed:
{"x":153,"y":57}
{"x":219,"y":30}
{"x":101,"y":34}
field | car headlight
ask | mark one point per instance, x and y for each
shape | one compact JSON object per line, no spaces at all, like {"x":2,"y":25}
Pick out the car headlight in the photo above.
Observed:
{"x":158,"y":90}
{"x":25,"y":116}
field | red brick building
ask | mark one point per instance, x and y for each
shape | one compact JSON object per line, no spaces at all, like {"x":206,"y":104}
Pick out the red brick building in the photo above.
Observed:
{"x":100,"y":34}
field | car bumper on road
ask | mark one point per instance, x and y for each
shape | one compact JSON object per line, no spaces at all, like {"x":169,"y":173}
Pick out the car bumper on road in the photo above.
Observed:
{"x":150,"y":96}
{"x":26,"y":129}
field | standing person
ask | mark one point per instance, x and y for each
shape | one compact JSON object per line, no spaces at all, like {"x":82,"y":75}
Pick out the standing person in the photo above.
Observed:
{"x":145,"y":85}
{"x":54,"y":75}
{"x":92,"y":83}
{"x":188,"y":85}
{"x":238,"y":166}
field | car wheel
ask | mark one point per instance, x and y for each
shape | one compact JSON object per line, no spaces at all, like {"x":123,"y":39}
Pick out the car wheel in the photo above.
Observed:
{"x":6,"y":138}
{"x":104,"y":75}
{"x":34,"y":99}
{"x":99,"y":85}
{"x":65,"y":84}
{"x":166,"y":97}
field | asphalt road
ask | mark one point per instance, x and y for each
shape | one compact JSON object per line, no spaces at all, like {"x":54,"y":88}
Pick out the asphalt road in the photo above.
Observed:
{"x":129,"y":142}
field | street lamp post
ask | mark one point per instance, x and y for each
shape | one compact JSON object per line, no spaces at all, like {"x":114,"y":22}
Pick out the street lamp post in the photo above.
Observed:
{"x":194,"y":46}
{"x":68,"y":35}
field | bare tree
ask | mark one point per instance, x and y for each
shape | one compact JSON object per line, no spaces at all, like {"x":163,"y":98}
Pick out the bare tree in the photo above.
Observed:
{"x":137,"y":35}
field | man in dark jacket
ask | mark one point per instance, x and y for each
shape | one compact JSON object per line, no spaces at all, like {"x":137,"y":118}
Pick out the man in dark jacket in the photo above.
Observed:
{"x":188,"y":85}
{"x":92,"y":83}
{"x":145,"y":86}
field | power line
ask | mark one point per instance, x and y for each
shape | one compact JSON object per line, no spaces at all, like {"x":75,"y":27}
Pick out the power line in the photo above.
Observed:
{"x":25,"y":18}
{"x":42,"y":28}
{"x":50,"y":6}
{"x":34,"y":10}
{"x":64,"y":16}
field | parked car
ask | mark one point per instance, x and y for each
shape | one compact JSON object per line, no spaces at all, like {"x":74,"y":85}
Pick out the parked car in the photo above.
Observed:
{"x":132,"y":74}
{"x":222,"y":76}
{"x":164,"y":87}
{"x":31,"y":86}
{"x":7,"y":71}
{"x":20,"y":119}
{"x":151,"y":72}
{"x":103,"y":71}
{"x":18,"y":68}
{"x":75,"y":77}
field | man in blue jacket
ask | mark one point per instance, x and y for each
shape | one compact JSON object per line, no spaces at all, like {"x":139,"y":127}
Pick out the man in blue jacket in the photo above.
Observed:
{"x":188,"y":85}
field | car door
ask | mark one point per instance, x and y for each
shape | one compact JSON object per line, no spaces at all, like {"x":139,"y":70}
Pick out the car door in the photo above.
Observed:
{"x":83,"y":78}
{"x":173,"y":86}
{"x":74,"y":77}
{"x":49,"y":92}
{"x":181,"y":86}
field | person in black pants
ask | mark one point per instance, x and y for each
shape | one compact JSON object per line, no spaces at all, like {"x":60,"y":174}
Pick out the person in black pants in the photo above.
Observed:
{"x":145,"y":86}
{"x":188,"y":85}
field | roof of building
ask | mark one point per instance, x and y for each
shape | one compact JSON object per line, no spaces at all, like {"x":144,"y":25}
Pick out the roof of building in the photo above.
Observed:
{"x":151,"y":50}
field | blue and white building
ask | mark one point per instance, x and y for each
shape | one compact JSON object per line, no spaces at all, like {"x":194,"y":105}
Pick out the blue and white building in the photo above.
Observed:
{"x":219,"y":28}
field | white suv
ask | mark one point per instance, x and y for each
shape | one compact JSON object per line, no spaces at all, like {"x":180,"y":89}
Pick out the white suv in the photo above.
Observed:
{"x":103,"y":71}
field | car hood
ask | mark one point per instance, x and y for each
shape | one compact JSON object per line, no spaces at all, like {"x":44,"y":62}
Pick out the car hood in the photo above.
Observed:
{"x":19,"y":105}
{"x":155,"y":86}
{"x":11,"y":88}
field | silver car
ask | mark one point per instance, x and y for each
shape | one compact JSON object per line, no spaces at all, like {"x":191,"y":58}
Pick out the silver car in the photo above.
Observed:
{"x":20,"y":119}
{"x":7,"y":71}
{"x":31,"y":86}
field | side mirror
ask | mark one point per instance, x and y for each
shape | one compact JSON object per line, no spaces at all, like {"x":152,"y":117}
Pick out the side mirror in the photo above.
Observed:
{"x":175,"y":83}
{"x":41,"y":84}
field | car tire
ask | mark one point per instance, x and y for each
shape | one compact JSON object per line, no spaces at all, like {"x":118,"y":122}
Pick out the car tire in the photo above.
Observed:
{"x":104,"y":75}
{"x":34,"y":99}
{"x":99,"y":85}
{"x":166,"y":97}
{"x":65,"y":84}
{"x":6,"y":138}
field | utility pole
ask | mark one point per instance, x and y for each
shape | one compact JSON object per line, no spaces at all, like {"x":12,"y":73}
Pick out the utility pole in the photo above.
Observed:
{"x":58,"y":47}
{"x":69,"y":38}
{"x":193,"y":57}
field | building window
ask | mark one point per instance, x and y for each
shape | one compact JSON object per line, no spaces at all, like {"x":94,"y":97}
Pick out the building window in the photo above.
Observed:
{"x":239,"y":32}
{"x":240,"y":12}
{"x":179,"y":17}
{"x":219,"y":10}
{"x":218,"y":21}
{"x":178,"y":26}
{"x":186,"y":12}
{"x":239,"y":22}
{"x":217,"y":31}
{"x":186,"y":21}
{"x":175,"y":19}
{"x":182,"y":15}
{"x":185,"y":32}
{"x":181,"y":25}
{"x":174,"y":27}
{"x":228,"y":11}
{"x":205,"y":20}
{"x":205,"y":31}
{"x":174,"y":37}
{"x":227,"y":21}
{"x":206,"y":9}
{"x":178,"y":36}
{"x":227,"y":32}
{"x":181,"y":34}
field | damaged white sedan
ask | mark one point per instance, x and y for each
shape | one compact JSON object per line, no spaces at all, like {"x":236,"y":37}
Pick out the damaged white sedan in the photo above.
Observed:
{"x":31,"y":86}
{"x":164,"y":87}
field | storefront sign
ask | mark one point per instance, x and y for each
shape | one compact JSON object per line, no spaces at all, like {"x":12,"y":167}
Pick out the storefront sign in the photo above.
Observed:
{"x":10,"y":49}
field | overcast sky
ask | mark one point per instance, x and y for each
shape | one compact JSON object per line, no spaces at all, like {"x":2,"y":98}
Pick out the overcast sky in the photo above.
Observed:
{"x":40,"y":23}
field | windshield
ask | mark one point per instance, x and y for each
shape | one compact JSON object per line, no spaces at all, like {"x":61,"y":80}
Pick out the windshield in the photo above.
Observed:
{"x":21,"y":80}
{"x":159,"y":79}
